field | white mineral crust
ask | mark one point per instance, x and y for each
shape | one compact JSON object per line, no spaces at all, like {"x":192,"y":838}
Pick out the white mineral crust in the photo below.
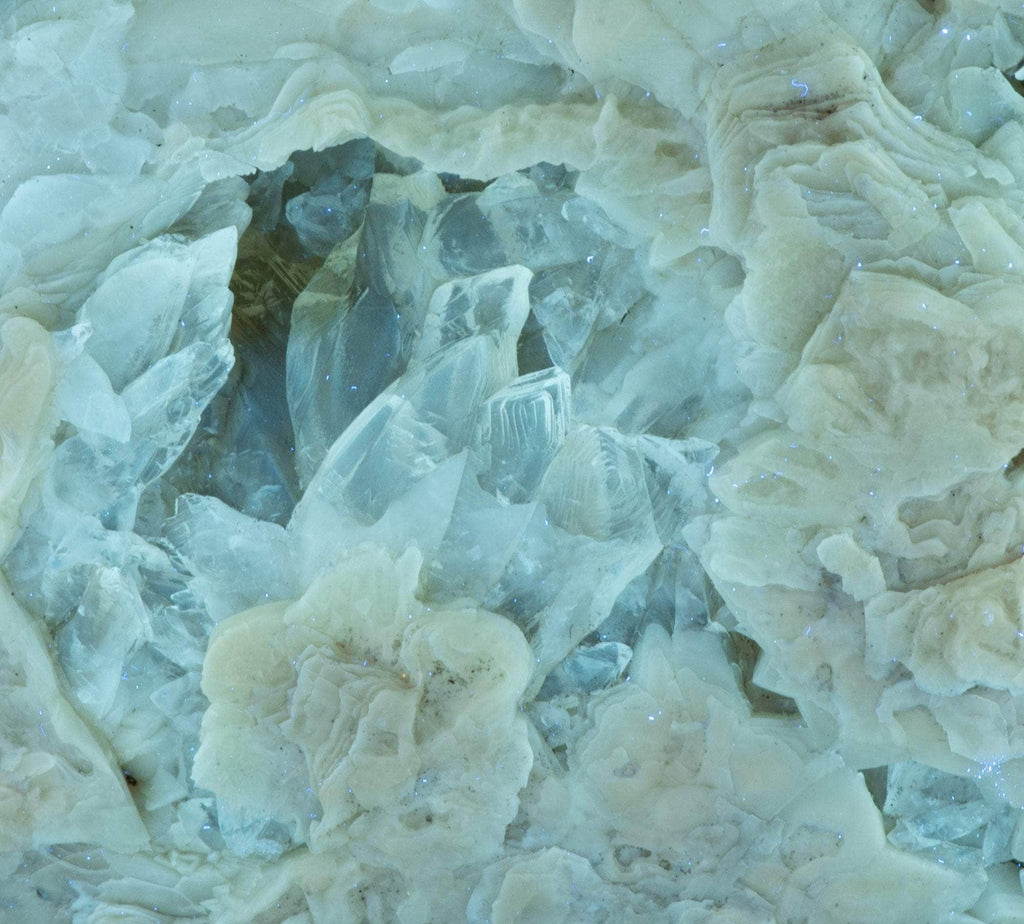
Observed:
{"x":511,"y":461}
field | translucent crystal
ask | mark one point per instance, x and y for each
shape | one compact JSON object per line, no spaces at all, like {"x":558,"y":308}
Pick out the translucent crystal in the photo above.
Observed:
{"x":933,"y":807}
{"x":593,"y":510}
{"x":220,"y":204}
{"x":461,"y":239}
{"x":343,"y":349}
{"x":62,"y":779}
{"x":480,"y":537}
{"x":353,"y":327}
{"x":377,"y":458}
{"x":494,"y":304}
{"x":243,"y":450}
{"x":87,"y":400}
{"x":509,"y":222}
{"x":165,"y":403}
{"x":429,"y":414}
{"x":186,"y":290}
{"x":265,"y":196}
{"x":235,"y":561}
{"x":616,"y":381}
{"x":596,"y":487}
{"x":672,"y":593}
{"x":532,"y":226}
{"x":448,"y":388}
{"x":392,"y":259}
{"x":592,"y":667}
{"x":677,"y":472}
{"x":520,"y":430}
{"x":570,"y":300}
{"x":339,"y":188}
{"x":95,"y":643}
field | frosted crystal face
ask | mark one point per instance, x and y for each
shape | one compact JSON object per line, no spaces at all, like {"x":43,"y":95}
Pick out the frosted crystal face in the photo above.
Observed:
{"x":520,"y":429}
{"x":511,"y":462}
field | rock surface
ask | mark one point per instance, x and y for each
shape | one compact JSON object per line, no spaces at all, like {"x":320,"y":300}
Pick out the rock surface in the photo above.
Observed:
{"x":511,"y":462}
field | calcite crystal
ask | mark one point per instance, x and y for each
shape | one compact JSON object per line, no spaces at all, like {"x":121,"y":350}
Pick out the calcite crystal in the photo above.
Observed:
{"x":511,"y":461}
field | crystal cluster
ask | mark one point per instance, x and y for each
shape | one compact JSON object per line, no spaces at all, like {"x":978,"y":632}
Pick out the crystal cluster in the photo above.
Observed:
{"x":511,"y":462}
